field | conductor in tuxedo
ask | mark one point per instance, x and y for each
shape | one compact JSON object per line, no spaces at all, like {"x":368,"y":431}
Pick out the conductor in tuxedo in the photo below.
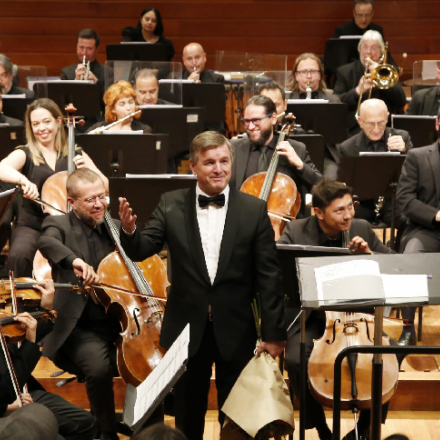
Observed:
{"x":222,"y":249}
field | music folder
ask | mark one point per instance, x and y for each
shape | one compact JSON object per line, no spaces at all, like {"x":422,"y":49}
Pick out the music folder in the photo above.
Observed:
{"x":139,"y":51}
{"x":421,"y":128}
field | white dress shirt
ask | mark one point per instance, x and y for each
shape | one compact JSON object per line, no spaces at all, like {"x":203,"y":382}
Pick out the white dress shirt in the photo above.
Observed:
{"x":211,"y":221}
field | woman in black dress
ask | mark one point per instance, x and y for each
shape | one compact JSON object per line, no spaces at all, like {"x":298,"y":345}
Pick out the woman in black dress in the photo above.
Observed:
{"x":149,"y":29}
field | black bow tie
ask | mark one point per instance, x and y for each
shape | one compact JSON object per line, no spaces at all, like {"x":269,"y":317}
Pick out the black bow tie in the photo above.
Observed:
{"x":218,"y":200}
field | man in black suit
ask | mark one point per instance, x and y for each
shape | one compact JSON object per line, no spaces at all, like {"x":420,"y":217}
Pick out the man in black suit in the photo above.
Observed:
{"x":376,"y":137}
{"x":254,"y":150}
{"x":6,"y":119}
{"x":222,"y":249}
{"x":350,"y":80}
{"x":418,"y":195}
{"x":425,"y":101}
{"x":7,"y":74}
{"x":194,"y":60}
{"x":332,"y":225}
{"x":146,"y":86}
{"x":82,"y":341}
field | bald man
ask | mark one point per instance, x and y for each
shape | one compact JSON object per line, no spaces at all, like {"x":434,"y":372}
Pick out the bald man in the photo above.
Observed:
{"x":194,"y":60}
{"x":375,"y":136}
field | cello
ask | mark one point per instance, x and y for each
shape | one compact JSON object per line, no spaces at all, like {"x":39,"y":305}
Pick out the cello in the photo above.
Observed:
{"x":277,"y":189}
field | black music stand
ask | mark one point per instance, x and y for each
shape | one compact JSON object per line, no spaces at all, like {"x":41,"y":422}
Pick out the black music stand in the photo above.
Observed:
{"x":136,"y":188}
{"x":210,"y":96}
{"x":136,"y":51}
{"x":15,"y":107}
{"x":118,"y":154}
{"x":373,"y":176}
{"x":85,"y":96}
{"x":315,"y":144}
{"x":421,"y":128}
{"x":6,"y":199}
{"x":11,"y":137}
{"x":328,"y":119}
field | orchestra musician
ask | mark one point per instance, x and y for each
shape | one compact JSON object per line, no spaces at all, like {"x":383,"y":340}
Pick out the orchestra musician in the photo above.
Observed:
{"x":254,"y":151}
{"x":6,"y":119}
{"x":7,"y":74}
{"x":82,"y":341}
{"x":30,"y":166}
{"x":222,"y":247}
{"x":150,"y":30}
{"x":120,"y":101}
{"x":73,"y":422}
{"x":376,"y":137}
{"x":425,"y":101}
{"x":351,"y":80}
{"x":194,"y":60}
{"x":146,"y":85}
{"x":334,"y":214}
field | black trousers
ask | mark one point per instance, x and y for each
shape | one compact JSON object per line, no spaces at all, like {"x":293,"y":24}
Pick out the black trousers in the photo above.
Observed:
{"x":191,"y":392}
{"x":22,"y":251}
{"x":86,"y":354}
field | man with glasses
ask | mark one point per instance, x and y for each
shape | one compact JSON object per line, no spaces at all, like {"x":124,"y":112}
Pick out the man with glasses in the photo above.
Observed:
{"x":375,"y":137}
{"x":254,"y":151}
{"x":350,"y":80}
{"x":7,"y":73}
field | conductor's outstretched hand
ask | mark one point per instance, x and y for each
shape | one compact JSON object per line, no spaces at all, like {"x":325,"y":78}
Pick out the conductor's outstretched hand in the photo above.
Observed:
{"x":128,"y":220}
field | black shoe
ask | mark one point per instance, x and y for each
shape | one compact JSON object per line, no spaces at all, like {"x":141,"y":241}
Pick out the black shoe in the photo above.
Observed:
{"x":408,"y":337}
{"x":364,"y":434}
{"x":324,"y":433}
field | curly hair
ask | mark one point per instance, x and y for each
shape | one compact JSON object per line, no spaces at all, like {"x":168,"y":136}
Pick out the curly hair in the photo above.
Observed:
{"x":117,"y":91}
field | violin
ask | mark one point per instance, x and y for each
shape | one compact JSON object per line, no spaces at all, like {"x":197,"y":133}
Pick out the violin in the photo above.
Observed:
{"x":277,"y":189}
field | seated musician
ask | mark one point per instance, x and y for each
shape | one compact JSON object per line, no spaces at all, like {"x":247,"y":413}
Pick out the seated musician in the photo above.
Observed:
{"x":425,"y":101}
{"x":83,"y":338}
{"x":376,"y":137}
{"x":146,"y":85}
{"x":418,"y":197}
{"x":6,"y":119}
{"x":120,"y":101}
{"x":254,"y":151}
{"x":73,"y":422}
{"x":30,"y":165}
{"x":334,"y":212}
{"x":194,"y":60}
{"x":7,"y":74}
{"x":351,"y":80}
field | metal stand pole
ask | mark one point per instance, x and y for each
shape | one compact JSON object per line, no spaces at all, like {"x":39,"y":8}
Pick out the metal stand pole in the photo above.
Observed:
{"x":303,"y":375}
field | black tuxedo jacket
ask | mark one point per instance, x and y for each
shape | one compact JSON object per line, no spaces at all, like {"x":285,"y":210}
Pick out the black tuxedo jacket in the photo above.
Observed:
{"x":348,"y":77}
{"x":418,"y":191}
{"x":424,"y":102}
{"x":206,"y":77}
{"x":304,"y":179}
{"x":15,"y":90}
{"x":63,"y":240}
{"x":11,"y":121}
{"x":95,"y":66}
{"x":247,"y":264}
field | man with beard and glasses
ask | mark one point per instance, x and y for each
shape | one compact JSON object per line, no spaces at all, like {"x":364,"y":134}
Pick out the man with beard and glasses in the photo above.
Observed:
{"x":82,"y":341}
{"x":254,"y":151}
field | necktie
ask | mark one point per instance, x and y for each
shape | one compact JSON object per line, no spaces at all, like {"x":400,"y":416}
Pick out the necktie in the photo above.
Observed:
{"x":218,"y":200}
{"x":262,"y":161}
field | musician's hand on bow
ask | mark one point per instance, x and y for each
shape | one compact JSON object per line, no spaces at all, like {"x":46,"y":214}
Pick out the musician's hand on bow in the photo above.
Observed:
{"x":85,"y":271}
{"x":358,"y":245}
{"x":128,"y":220}
{"x":30,"y":190}
{"x":30,"y":323}
{"x":26,"y":398}
{"x":367,"y":84}
{"x":47,"y":290}
{"x":395,"y":143}
{"x":285,"y":149}
{"x":273,"y":348}
{"x":79,"y":161}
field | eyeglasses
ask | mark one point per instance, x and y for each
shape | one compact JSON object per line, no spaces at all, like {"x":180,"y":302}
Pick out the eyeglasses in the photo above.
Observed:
{"x":374,"y":48}
{"x":363,"y":15}
{"x":4,"y":75}
{"x":93,"y":200}
{"x":370,"y":125}
{"x":255,"y":121}
{"x":308,"y":72}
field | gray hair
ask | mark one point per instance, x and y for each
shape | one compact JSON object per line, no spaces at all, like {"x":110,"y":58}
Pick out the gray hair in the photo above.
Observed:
{"x":371,"y":35}
{"x":7,"y":64}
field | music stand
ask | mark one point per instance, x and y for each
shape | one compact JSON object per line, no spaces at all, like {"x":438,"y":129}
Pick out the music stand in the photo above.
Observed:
{"x":210,"y":96}
{"x":315,"y":144}
{"x":6,"y":199}
{"x":119,"y":154}
{"x":421,"y":128}
{"x":328,"y":119}
{"x":136,"y":51}
{"x":373,"y":176}
{"x":11,"y":137}
{"x":15,"y":107}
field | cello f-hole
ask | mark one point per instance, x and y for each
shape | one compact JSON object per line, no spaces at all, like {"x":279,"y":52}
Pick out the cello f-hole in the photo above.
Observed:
{"x":368,"y":329}
{"x":337,"y":321}
{"x":136,"y":320}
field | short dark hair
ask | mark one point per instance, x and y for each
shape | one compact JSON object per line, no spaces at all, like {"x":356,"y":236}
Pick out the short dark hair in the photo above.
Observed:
{"x":327,"y":190}
{"x":159,"y":24}
{"x":89,"y":34}
{"x":272,"y":85}
{"x":80,"y":175}
{"x":363,"y":2}
{"x":264,"y":101}
{"x":207,"y":141}
{"x":159,"y":431}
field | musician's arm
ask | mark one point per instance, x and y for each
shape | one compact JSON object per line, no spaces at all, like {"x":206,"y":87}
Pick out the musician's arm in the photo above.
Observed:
{"x":91,"y":165}
{"x":344,"y":90}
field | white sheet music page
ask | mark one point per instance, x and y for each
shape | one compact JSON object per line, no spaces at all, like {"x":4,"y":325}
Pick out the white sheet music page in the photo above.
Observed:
{"x":400,"y":289}
{"x":349,"y":281}
{"x":160,"y":377}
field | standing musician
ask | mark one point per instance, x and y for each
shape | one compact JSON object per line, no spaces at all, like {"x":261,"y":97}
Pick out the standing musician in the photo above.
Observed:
{"x":351,"y":80}
{"x":194,"y":60}
{"x":254,"y":151}
{"x":376,"y":137}
{"x":30,"y":166}
{"x":73,"y":422}
{"x":82,"y":341}
{"x":120,"y":101}
{"x":222,"y":248}
{"x":334,"y":212}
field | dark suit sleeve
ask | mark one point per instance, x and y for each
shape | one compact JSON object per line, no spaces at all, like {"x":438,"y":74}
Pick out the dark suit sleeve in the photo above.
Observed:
{"x":416,"y":210}
{"x":414,"y":106}
{"x":374,"y":243}
{"x":64,"y":74}
{"x":344,"y":88}
{"x":407,"y":139}
{"x":309,"y":174}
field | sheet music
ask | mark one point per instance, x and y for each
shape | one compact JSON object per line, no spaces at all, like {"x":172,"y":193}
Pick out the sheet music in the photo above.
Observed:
{"x":379,"y":153}
{"x":21,"y":96}
{"x":123,"y":132}
{"x":161,"y":176}
{"x":350,"y":37}
{"x":400,"y":289}
{"x":157,"y":106}
{"x":161,"y":376}
{"x":307,"y":101}
{"x":176,"y":81}
{"x":305,"y":247}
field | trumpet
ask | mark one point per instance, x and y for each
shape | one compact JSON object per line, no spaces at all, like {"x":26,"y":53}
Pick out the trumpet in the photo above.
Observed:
{"x":85,"y":75}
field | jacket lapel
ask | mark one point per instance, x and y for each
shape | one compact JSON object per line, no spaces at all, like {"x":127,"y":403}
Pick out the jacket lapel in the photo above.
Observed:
{"x":241,"y":160}
{"x":434,"y":161}
{"x":79,"y":237}
{"x":193,"y":233}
